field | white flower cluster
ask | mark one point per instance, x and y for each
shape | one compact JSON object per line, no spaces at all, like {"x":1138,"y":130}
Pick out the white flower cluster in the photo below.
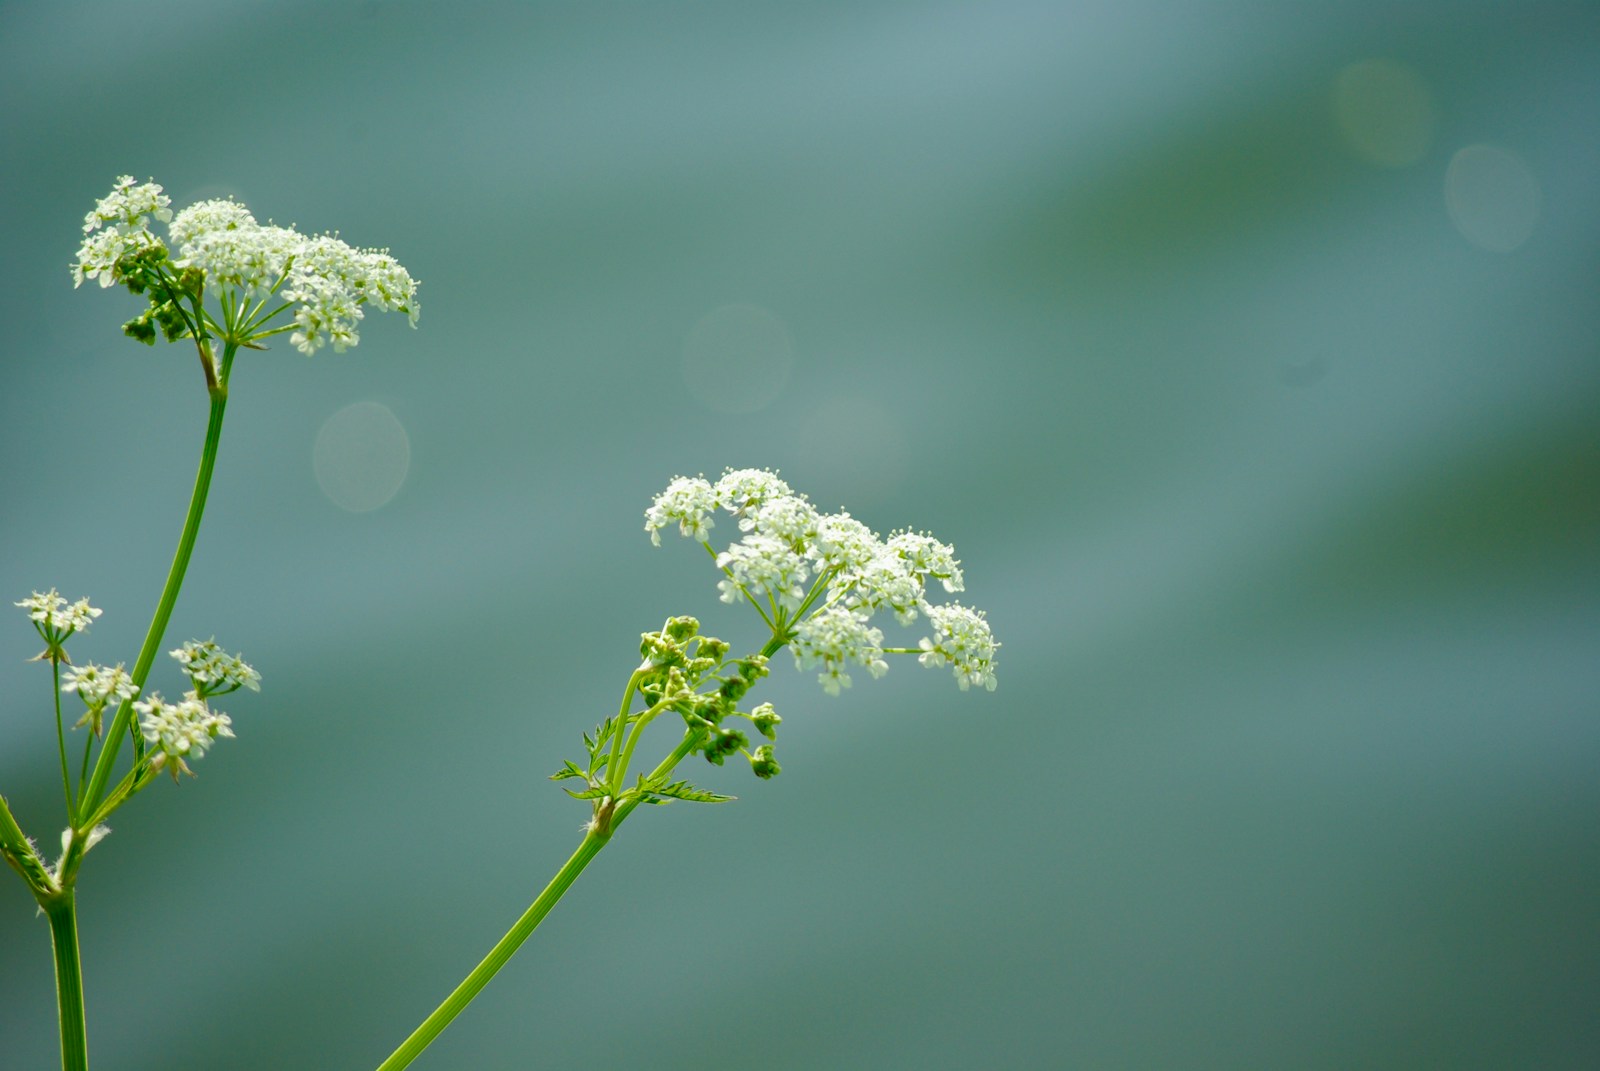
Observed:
{"x":786,"y":543}
{"x":962,"y":638}
{"x":98,"y":687}
{"x":122,"y":220}
{"x":215,"y":671}
{"x":834,"y":638}
{"x":329,"y":280}
{"x":52,"y":614}
{"x":179,"y":731}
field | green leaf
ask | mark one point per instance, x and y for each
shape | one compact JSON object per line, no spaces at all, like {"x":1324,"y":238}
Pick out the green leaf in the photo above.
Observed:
{"x":683,"y":790}
{"x":568,"y":769}
{"x":588,"y":793}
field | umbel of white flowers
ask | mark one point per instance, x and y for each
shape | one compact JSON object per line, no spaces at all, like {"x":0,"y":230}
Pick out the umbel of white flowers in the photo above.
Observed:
{"x":221,"y":248}
{"x":818,"y":579}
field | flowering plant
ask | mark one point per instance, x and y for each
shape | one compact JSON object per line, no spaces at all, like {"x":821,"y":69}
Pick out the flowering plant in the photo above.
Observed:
{"x":817,"y":581}
{"x":225,"y":283}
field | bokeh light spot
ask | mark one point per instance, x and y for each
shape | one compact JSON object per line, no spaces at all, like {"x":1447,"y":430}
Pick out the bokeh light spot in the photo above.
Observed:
{"x":1492,"y":197}
{"x":736,"y":358}
{"x":1385,"y":111}
{"x":361,"y":456}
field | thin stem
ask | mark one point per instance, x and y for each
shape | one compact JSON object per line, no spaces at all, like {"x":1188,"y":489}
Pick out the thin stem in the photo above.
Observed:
{"x":88,"y":749}
{"x":618,"y":731}
{"x":63,"y":914}
{"x":457,"y":1001}
{"x":498,"y":956}
{"x":61,"y":738}
{"x":169,"y":594}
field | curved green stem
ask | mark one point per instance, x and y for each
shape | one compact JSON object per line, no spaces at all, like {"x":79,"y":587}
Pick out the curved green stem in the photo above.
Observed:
{"x":457,"y":1001}
{"x":90,"y":798}
{"x":63,"y":914}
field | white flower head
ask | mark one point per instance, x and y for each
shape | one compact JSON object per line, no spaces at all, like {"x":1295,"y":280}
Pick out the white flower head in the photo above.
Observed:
{"x":223,"y":240}
{"x":742,"y":490}
{"x":844,"y":543}
{"x":328,"y":282}
{"x":690,"y":502}
{"x":926,"y":556}
{"x":53,"y":614}
{"x":179,"y":731}
{"x":885,"y":582}
{"x":118,"y":226}
{"x":762,"y":564}
{"x":961,"y":637}
{"x":98,"y":687}
{"x":833,"y":639}
{"x":215,"y":671}
{"x":789,"y":518}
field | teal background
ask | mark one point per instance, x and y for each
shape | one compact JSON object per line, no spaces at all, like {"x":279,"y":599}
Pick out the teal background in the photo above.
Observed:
{"x":1280,"y":492}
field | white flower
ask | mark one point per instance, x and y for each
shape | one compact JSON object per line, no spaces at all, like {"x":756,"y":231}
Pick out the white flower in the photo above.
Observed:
{"x":742,"y":490}
{"x":124,"y":214}
{"x":51,"y":613}
{"x":962,"y":638}
{"x":327,"y":280}
{"x":177,"y":731}
{"x":885,"y":581}
{"x":98,"y":687}
{"x":213,"y":670}
{"x":687,"y":500}
{"x":843,"y":543}
{"x":128,"y":207}
{"x":790,"y":518}
{"x":224,"y":241}
{"x":926,"y":556}
{"x":762,"y":562}
{"x":834,"y":638}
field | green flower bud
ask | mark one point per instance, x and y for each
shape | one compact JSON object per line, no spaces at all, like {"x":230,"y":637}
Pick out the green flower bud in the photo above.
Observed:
{"x":763,"y":765}
{"x":753,"y":668}
{"x":766,"y":721}
{"x":681,"y":629}
{"x":140,"y":329}
{"x":714,"y":649}
{"x":172,"y":325}
{"x":733,"y":689}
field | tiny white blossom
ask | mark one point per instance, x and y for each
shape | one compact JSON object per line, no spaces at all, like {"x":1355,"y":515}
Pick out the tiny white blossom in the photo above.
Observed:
{"x":742,"y":490}
{"x":834,"y":638}
{"x":98,"y":687}
{"x":760,"y":563}
{"x":179,"y":731}
{"x":843,"y":543}
{"x":962,"y":638}
{"x":884,"y":582}
{"x":119,"y":226}
{"x":214,"y":670}
{"x":52,"y":613}
{"x":926,"y":556}
{"x":223,"y":240}
{"x":790,"y":518}
{"x":690,"y":502}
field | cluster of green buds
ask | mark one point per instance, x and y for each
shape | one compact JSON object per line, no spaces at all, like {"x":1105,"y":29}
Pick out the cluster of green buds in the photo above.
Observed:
{"x":693,"y":676}
{"x":706,"y":687}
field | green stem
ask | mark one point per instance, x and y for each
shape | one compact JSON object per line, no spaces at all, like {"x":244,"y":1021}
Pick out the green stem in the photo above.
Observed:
{"x":63,"y":915}
{"x":457,"y":1001}
{"x":502,"y":952}
{"x":61,"y":739}
{"x":169,"y":595}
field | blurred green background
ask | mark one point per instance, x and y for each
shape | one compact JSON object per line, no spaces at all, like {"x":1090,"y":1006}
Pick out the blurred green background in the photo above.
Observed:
{"x":1247,"y":353}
